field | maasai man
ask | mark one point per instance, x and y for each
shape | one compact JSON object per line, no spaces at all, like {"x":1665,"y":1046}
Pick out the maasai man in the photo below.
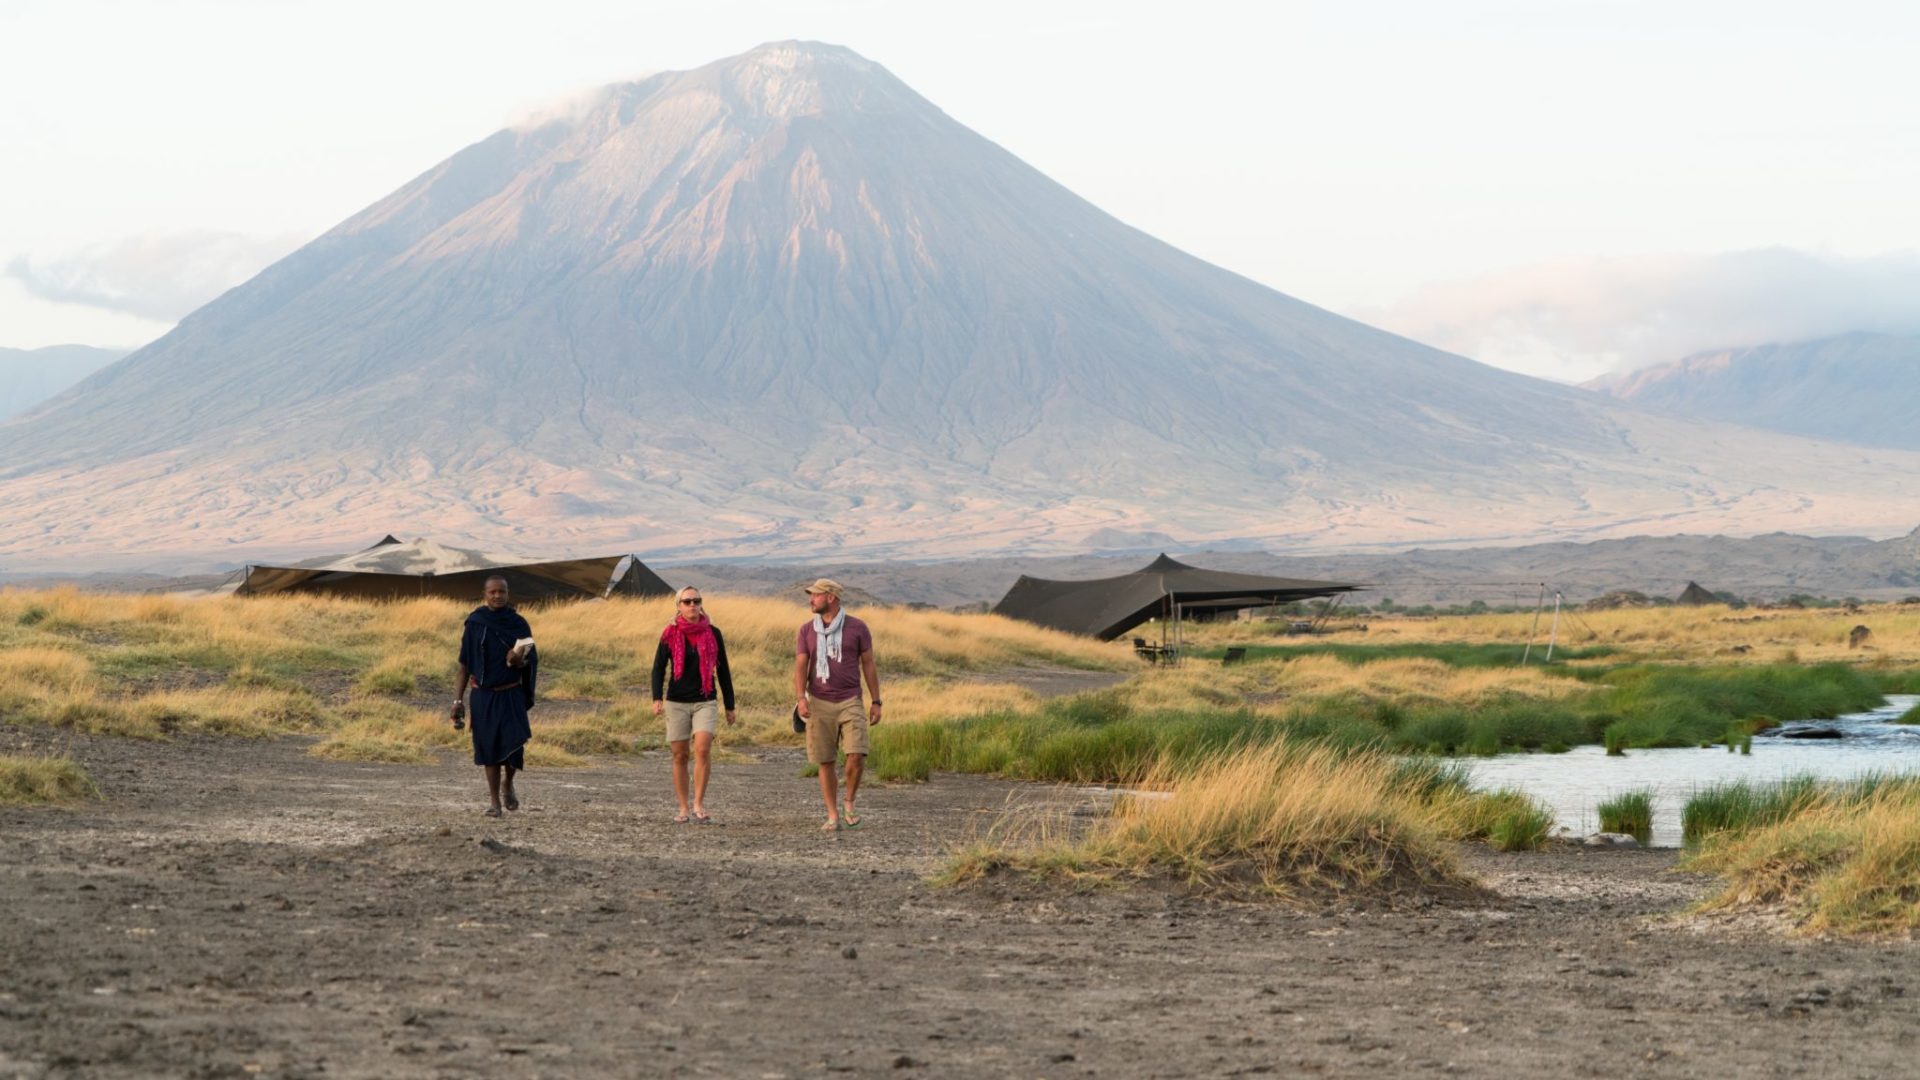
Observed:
{"x":497,"y":668}
{"x":692,"y":648}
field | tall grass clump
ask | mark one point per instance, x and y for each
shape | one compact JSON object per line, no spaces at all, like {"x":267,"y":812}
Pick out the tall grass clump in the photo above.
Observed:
{"x":1846,"y":860}
{"x":1742,"y":805}
{"x":1630,"y":812}
{"x":1522,"y":826}
{"x":26,"y":778}
{"x":1281,"y":819}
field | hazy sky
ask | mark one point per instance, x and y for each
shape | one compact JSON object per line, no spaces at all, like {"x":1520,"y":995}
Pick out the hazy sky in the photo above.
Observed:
{"x":1556,"y":187}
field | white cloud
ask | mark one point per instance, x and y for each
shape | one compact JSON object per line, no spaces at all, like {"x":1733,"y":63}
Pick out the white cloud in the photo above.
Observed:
{"x":568,"y":108}
{"x":160,"y":276}
{"x":1574,"y":319}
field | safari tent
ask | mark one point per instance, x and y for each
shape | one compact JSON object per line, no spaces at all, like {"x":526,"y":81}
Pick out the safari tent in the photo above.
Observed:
{"x":393,"y":569}
{"x":1106,"y":608}
{"x":1694,"y":596}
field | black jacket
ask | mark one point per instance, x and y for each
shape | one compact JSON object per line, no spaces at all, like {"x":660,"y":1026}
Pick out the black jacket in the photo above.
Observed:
{"x":686,"y":688}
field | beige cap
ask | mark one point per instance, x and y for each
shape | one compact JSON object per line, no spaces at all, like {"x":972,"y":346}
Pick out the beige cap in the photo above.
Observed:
{"x":826,"y":585}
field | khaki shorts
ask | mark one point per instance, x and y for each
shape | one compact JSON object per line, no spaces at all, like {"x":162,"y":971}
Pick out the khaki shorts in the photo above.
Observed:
{"x":834,"y":726}
{"x":686,"y":717}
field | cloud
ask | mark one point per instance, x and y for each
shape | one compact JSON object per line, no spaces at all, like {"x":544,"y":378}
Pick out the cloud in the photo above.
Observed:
{"x":570,"y":108}
{"x":159,"y":276}
{"x":1574,"y":319}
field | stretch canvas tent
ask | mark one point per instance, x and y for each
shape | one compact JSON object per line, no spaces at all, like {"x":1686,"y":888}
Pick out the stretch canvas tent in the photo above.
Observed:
{"x":392,"y":569}
{"x":1109,"y":607}
{"x":1694,"y":596}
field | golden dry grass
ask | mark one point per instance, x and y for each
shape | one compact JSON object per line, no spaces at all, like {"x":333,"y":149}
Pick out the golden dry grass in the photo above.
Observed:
{"x":1847,"y":865}
{"x":1268,"y":685}
{"x":28,"y":778}
{"x":149,"y":666}
{"x":1689,"y":633}
{"x":1278,"y":820}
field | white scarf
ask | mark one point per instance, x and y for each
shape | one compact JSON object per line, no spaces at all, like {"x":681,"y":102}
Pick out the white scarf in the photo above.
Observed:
{"x":826,"y":643}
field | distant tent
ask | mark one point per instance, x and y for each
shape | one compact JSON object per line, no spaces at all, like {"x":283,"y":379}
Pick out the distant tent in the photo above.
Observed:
{"x":392,"y":570}
{"x":1693,"y":596}
{"x":1106,"y":608}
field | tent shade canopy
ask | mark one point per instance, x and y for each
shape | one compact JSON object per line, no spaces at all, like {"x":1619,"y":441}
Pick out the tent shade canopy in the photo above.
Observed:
{"x":392,"y":569}
{"x":1106,"y":608}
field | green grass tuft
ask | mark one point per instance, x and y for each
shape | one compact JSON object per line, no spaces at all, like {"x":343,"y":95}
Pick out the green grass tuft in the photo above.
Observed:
{"x":1630,"y":812}
{"x":33,"y":779}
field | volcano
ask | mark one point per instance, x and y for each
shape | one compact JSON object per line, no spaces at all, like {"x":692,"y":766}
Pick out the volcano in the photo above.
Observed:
{"x":782,"y":305}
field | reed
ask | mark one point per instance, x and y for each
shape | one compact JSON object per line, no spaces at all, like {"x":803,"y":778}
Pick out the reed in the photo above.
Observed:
{"x":1630,"y":812}
{"x":1741,"y":806}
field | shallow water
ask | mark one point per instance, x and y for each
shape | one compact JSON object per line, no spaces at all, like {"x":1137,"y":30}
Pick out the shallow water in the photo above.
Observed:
{"x":1576,"y":782}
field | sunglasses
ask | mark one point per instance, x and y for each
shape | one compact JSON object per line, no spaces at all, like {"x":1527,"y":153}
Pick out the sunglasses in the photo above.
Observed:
{"x":695,"y":601}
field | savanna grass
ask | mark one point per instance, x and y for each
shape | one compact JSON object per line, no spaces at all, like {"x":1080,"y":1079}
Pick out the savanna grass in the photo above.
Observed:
{"x":155,"y":666}
{"x":1279,"y":820}
{"x":26,"y":778}
{"x":1841,"y":858}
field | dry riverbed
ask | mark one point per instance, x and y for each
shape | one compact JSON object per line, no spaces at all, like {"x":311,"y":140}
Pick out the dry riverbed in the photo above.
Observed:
{"x":236,"y":907}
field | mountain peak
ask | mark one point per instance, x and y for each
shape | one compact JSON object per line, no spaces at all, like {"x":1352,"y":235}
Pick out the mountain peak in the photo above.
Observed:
{"x":782,"y":303}
{"x":784,"y":79}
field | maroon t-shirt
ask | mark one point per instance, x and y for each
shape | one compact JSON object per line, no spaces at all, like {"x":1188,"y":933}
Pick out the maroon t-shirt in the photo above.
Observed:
{"x":843,"y":675}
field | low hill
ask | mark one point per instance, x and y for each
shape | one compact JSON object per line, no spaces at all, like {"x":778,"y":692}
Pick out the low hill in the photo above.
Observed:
{"x":31,"y":376}
{"x":1855,"y":388}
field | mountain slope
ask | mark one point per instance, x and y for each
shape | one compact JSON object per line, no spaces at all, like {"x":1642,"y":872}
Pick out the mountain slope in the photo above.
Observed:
{"x":1857,"y":388}
{"x":781,"y":303}
{"x":31,"y":376}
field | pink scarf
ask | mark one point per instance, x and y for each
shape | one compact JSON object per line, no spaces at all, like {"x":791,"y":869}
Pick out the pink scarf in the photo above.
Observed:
{"x":700,"y":632}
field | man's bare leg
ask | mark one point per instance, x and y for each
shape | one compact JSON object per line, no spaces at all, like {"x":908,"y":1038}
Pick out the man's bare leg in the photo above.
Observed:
{"x":506,"y":783}
{"x":828,"y":782}
{"x":493,"y":784}
{"x":856,"y":765}
{"x":702,"y":768}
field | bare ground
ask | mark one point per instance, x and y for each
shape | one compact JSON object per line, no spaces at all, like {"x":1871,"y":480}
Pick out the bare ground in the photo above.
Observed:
{"x":238,"y":908}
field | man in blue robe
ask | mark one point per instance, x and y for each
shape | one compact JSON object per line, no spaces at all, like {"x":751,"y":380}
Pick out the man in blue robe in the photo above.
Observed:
{"x":497,"y":674}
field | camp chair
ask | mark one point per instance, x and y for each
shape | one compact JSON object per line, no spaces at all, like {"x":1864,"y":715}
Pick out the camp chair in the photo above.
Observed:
{"x":1149,"y":653}
{"x":1235,"y":654}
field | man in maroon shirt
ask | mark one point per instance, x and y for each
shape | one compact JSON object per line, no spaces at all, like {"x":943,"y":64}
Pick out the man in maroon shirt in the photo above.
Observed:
{"x":833,"y":651}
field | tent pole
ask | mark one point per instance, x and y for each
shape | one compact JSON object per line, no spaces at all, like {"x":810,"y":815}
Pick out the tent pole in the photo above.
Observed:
{"x":1553,"y":634}
{"x":1536,"y":624}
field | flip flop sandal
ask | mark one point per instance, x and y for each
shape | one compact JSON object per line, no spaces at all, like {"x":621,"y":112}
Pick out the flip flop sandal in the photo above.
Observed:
{"x":848,"y":819}
{"x":493,"y":811}
{"x":513,"y":801}
{"x":703,"y":819}
{"x":681,"y":819}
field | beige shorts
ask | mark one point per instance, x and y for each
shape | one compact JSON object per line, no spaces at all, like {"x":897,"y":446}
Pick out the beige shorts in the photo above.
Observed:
{"x":686,"y":717}
{"x":833,"y":726}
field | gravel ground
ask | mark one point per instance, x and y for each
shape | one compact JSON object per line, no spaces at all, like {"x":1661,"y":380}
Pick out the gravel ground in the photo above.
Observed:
{"x":239,"y":908}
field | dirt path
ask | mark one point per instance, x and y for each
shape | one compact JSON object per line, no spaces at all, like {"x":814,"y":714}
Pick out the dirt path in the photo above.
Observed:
{"x":238,"y":908}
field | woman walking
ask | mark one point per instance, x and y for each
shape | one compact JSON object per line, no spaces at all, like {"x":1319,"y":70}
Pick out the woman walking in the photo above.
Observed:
{"x":695,"y":652}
